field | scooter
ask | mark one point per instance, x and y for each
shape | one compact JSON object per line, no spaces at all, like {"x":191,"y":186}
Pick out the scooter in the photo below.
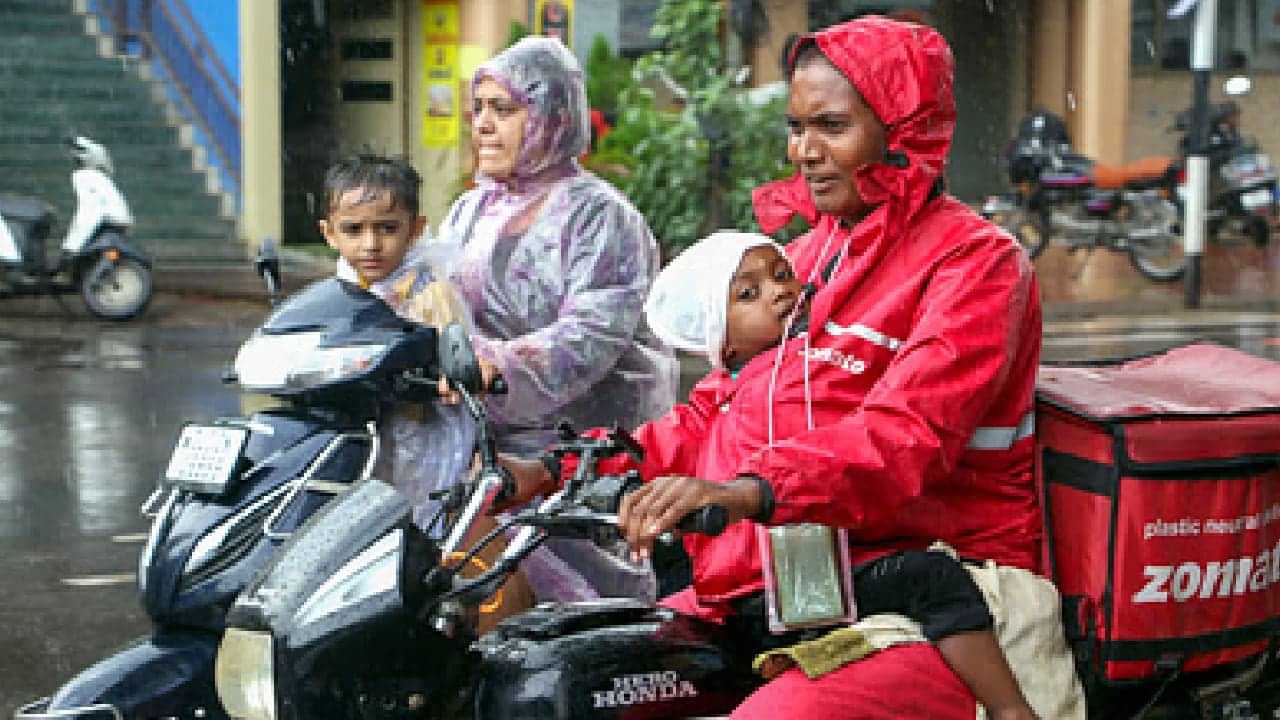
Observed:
{"x":95,"y":260}
{"x":332,"y":357}
{"x":1058,"y":192}
{"x":364,"y":616}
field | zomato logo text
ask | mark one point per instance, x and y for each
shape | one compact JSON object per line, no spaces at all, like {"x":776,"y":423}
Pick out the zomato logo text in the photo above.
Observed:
{"x":1191,"y":579}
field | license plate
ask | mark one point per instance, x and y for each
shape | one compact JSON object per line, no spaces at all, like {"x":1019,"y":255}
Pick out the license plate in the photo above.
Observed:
{"x":1255,"y":199}
{"x":205,"y":457}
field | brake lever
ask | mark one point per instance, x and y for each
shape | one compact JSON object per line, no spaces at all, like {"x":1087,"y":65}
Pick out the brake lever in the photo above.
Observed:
{"x":623,"y":440}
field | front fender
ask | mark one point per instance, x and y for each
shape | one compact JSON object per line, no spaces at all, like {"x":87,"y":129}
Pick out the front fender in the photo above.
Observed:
{"x":169,"y":674}
{"x":111,"y":239}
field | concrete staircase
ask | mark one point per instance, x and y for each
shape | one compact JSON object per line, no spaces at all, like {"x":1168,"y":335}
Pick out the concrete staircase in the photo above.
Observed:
{"x":55,"y":81}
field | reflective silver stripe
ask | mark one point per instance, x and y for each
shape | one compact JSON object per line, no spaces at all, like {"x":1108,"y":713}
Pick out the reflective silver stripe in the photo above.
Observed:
{"x":1003,"y":438}
{"x":869,"y":334}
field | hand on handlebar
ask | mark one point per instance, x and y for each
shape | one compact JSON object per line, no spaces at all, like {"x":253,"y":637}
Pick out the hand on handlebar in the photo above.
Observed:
{"x":492,"y":381}
{"x":660,"y":506}
{"x":531,"y":480}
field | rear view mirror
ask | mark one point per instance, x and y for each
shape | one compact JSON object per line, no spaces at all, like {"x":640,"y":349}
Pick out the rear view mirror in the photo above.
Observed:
{"x":457,"y":358}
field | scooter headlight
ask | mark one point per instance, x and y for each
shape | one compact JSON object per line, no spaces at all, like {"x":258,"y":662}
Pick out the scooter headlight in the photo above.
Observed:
{"x":244,"y":674}
{"x":296,"y":362}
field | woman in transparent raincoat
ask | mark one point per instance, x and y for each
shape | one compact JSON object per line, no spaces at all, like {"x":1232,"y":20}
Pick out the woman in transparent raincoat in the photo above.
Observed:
{"x":555,"y":265}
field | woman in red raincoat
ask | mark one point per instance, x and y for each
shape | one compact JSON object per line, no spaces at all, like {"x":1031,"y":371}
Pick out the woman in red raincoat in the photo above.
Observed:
{"x":904,"y":413}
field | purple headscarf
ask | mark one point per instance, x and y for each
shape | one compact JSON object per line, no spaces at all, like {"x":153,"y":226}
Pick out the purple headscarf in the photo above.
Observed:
{"x":541,"y":74}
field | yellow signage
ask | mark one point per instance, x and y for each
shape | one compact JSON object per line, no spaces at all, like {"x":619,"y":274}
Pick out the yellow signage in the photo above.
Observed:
{"x":554,"y":18}
{"x":442,"y":111}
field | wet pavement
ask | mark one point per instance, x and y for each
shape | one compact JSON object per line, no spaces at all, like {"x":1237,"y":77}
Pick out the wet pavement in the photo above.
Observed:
{"x":88,"y":412}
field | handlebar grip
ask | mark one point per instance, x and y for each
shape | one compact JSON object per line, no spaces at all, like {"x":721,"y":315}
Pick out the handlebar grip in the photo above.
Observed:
{"x":707,"y":520}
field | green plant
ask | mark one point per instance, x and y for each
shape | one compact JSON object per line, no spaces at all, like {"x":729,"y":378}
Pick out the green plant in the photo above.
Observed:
{"x":690,"y":169}
{"x":607,"y":74}
{"x":516,"y":32}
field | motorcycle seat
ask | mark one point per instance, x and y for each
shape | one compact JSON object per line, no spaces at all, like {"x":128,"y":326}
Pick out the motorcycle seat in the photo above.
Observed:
{"x":24,"y":208}
{"x":1139,"y":172}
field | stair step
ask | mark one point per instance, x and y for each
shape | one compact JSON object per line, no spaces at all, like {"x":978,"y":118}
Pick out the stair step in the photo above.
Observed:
{"x":108,"y":135}
{"x":53,"y":143}
{"x":38,"y":154}
{"x":73,"y":90}
{"x":170,"y":225}
{"x":13,"y":24}
{"x":56,"y":64}
{"x":84,"y":70}
{"x":36,"y":7}
{"x":62,"y":46}
{"x":60,"y":110}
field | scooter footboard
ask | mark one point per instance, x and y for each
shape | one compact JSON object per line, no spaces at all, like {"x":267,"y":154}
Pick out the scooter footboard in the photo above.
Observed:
{"x":166,"y":675}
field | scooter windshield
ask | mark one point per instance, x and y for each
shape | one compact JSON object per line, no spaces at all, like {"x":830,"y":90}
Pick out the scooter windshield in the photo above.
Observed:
{"x":344,"y":312}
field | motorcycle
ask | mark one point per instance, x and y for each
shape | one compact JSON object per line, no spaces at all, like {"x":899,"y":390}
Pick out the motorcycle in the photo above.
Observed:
{"x":333,"y":357}
{"x":364,"y":616}
{"x":95,"y":260}
{"x":1243,"y":191}
{"x":1130,"y":209}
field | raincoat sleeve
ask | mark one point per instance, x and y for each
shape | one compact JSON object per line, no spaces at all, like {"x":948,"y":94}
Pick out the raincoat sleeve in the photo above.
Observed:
{"x":672,"y":444}
{"x":913,"y":425}
{"x":609,"y":258}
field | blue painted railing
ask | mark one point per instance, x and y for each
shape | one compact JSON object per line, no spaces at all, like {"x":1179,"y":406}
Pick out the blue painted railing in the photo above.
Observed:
{"x":163,"y":33}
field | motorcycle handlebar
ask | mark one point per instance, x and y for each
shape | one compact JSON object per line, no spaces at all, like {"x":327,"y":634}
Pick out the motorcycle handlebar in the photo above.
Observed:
{"x":707,"y":520}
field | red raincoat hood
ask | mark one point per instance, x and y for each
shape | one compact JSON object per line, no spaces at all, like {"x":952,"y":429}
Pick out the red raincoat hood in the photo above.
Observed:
{"x":905,"y":73}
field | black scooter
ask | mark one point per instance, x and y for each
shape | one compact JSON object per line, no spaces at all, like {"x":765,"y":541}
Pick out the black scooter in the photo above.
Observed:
{"x":236,"y":489}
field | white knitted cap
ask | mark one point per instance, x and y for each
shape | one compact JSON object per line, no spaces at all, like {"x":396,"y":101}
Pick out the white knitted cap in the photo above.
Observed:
{"x":687,"y":303}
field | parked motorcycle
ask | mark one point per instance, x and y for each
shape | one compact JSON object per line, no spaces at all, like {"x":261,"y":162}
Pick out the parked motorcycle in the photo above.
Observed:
{"x":332,"y":357}
{"x":363,"y":616}
{"x":95,"y":258}
{"x":1243,"y":191}
{"x":1060,"y":193}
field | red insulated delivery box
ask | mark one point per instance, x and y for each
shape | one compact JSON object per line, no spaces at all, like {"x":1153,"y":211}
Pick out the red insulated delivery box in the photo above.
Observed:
{"x":1160,"y":478}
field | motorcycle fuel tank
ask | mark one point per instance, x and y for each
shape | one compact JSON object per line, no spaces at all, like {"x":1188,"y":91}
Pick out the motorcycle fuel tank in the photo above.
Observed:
{"x":607,"y":659}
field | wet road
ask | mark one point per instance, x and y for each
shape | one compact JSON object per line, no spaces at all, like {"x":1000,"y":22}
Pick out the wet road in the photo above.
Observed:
{"x":88,"y":412}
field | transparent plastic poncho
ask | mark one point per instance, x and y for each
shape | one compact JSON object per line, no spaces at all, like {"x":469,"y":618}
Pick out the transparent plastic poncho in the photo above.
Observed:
{"x":426,"y":446}
{"x":555,"y":265}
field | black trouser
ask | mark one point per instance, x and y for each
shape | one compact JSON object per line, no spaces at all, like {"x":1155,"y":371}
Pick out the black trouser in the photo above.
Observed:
{"x":931,"y":588}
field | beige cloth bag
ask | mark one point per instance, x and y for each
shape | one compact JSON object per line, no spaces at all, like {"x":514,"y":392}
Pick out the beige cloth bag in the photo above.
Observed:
{"x":1026,"y":610}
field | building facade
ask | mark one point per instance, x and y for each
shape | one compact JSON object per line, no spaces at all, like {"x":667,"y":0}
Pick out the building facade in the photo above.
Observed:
{"x":324,"y":77}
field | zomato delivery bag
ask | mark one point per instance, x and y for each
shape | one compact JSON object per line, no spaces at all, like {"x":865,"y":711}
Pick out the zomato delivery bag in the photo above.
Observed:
{"x":1161,"y":487}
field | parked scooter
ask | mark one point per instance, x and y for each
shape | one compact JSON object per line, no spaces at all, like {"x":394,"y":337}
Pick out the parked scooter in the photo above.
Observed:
{"x":363,"y":616}
{"x":1059,"y":193}
{"x":94,"y":260}
{"x":1243,"y":191}
{"x":333,"y":357}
